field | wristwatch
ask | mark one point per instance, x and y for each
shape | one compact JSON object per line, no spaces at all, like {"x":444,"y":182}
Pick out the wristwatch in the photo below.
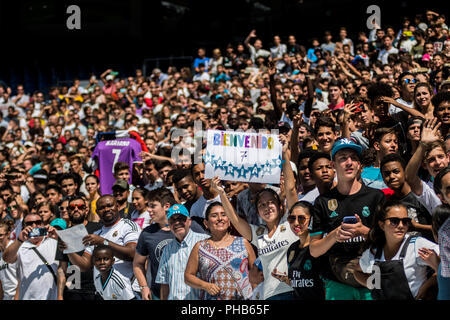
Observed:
{"x":106,"y":242}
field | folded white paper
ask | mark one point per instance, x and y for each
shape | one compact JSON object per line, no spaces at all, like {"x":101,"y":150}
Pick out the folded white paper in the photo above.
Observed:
{"x":73,"y":237}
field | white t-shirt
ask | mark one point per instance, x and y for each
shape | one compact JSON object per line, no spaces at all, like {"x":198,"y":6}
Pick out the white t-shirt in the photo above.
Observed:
{"x":36,"y":282}
{"x":199,"y":207}
{"x":393,"y":109}
{"x":415,"y":267}
{"x":142,"y":220}
{"x":272,"y":252}
{"x":8,"y":277}
{"x":116,"y":287}
{"x":123,"y":232}
{"x":428,"y":197}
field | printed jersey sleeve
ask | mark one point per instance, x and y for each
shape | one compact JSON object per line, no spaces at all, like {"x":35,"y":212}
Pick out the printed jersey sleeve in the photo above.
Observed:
{"x":136,"y":151}
{"x":131,"y":232}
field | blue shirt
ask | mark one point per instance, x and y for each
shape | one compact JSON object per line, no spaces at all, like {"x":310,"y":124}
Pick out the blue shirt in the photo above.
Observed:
{"x":372,"y":177}
{"x":173,"y":264}
{"x":205,"y":61}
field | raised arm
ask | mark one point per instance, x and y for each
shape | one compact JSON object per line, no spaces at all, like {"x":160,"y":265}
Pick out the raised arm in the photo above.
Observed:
{"x":252,"y":34}
{"x":295,"y":150}
{"x":239,"y":223}
{"x":273,"y":92}
{"x":289,"y":179}
{"x":411,"y":111}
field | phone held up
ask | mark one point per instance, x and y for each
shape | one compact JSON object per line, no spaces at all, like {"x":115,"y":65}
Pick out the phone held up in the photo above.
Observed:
{"x":350,"y":220}
{"x":38,"y":232}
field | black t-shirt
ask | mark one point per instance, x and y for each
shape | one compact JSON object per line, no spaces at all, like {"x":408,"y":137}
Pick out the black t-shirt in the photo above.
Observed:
{"x":329,"y":210}
{"x":151,"y":243}
{"x":304,"y":273}
{"x":87,"y":278}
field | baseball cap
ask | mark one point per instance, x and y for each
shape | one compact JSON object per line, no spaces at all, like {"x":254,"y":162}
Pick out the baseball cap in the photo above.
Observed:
{"x":345,"y":143}
{"x":109,"y":77}
{"x":258,"y":264}
{"x":59,"y":224}
{"x":121,"y":184}
{"x":177,"y":209}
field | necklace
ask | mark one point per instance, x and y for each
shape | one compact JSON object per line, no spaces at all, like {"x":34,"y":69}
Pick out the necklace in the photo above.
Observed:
{"x":218,"y":244}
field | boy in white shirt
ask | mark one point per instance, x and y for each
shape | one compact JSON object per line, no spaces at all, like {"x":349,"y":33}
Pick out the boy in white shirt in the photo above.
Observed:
{"x":109,"y":283}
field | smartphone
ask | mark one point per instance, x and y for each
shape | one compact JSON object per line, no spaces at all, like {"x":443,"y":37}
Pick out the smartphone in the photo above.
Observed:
{"x":350,"y":220}
{"x":37,"y":232}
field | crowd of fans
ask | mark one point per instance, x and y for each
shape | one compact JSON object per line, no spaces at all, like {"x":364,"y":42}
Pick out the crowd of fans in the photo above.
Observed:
{"x":364,"y":125}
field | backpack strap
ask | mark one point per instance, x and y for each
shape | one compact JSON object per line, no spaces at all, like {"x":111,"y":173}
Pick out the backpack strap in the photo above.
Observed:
{"x":46,"y":263}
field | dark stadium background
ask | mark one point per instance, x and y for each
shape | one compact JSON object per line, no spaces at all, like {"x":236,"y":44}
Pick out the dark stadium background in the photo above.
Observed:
{"x":38,"y":50}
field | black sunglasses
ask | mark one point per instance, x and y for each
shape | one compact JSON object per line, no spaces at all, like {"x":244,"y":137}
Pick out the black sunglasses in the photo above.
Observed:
{"x":292,"y":219}
{"x":396,"y":221}
{"x":178,"y":218}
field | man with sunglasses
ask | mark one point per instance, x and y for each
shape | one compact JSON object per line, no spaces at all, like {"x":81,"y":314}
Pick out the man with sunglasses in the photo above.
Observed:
{"x":78,"y":213}
{"x":407,"y":83}
{"x":37,"y":278}
{"x":175,"y":256}
{"x":392,"y":169}
{"x":120,"y":234}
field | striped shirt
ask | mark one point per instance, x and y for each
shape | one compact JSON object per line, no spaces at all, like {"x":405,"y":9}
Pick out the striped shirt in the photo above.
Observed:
{"x":116,"y":287}
{"x":173,"y":264}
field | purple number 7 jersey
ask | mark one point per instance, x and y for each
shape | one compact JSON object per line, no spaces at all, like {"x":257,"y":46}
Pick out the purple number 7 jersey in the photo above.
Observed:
{"x":108,"y":153}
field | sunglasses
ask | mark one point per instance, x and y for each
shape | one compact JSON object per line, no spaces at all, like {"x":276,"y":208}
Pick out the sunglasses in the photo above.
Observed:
{"x":30,"y":223}
{"x":179,"y":218}
{"x":12,"y":207}
{"x":408,"y":81}
{"x":62,"y":208}
{"x":300,"y":219}
{"x":396,"y":221}
{"x":72,"y":207}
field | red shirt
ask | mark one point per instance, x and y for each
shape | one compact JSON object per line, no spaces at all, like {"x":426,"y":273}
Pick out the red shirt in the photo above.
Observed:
{"x":340,"y":105}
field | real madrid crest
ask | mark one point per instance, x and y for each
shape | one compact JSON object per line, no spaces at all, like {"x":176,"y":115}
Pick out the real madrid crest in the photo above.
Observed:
{"x":332,"y":204}
{"x":115,"y":234}
{"x":260,"y":231}
{"x":282,"y":228}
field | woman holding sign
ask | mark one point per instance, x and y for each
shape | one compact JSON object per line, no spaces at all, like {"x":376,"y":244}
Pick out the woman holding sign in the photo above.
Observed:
{"x":272,"y":238}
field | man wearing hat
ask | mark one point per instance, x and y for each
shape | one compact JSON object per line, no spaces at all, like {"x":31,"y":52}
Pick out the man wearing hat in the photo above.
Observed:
{"x":175,"y":256}
{"x":337,"y":241}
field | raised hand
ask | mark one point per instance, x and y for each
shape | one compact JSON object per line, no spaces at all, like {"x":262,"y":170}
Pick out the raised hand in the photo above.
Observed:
{"x":216,"y":185}
{"x":430,"y":131}
{"x":298,"y":120}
